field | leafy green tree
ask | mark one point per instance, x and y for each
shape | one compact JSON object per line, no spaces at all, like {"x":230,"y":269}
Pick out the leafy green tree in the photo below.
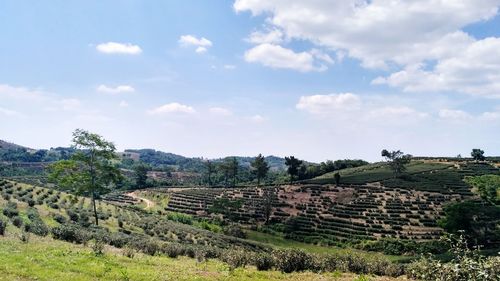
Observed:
{"x":477,"y":154}
{"x":397,"y":160}
{"x":259,"y":168}
{"x":90,"y":170}
{"x":293,"y":165}
{"x":234,"y":167}
{"x":488,"y":187}
{"x":141,"y":175}
{"x":210,"y":169}
{"x":229,"y":168}
{"x":336,"y":176}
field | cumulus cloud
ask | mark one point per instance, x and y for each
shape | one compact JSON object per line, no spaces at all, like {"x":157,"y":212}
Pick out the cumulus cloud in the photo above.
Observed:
{"x":119,"y":48}
{"x":229,"y":66}
{"x":173,"y":107}
{"x":275,"y":56}
{"x":258,"y":119}
{"x":21,"y":93}
{"x":423,"y":41}
{"x":396,"y":112}
{"x":272,"y":37}
{"x":123,"y":104}
{"x":115,"y":90}
{"x":201,"y":44}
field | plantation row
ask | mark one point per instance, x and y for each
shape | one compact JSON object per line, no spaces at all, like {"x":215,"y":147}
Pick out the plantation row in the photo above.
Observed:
{"x":324,"y":213}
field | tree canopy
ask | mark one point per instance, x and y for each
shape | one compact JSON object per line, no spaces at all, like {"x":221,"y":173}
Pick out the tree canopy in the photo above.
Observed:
{"x":90,"y":171}
{"x":293,"y":167}
{"x":477,"y":154}
{"x":259,"y":168}
{"x":396,"y":160}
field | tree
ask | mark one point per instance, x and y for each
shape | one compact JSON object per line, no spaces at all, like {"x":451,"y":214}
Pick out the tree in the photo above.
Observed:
{"x":268,"y":195}
{"x":90,"y":170}
{"x":293,"y":167}
{"x":141,"y":175}
{"x":477,"y":154}
{"x":210,"y":170}
{"x":259,"y":168}
{"x":488,"y":187}
{"x":229,"y":168}
{"x":336,"y":176}
{"x":397,"y":160}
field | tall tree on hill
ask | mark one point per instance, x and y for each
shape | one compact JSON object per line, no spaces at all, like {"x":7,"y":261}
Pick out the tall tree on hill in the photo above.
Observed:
{"x":210,"y":169}
{"x":141,"y":175}
{"x":293,"y":167}
{"x":396,"y":160}
{"x":234,"y":169}
{"x":477,"y":154}
{"x":90,"y":170}
{"x":259,"y":168}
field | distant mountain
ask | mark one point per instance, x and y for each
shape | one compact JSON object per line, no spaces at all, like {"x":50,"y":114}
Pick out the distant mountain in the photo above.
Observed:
{"x":8,"y":146}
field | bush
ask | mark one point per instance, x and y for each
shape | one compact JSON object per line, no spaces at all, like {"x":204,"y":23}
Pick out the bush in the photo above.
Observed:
{"x":73,"y":216}
{"x":59,"y":218}
{"x":263,"y":261}
{"x":17,"y":221}
{"x":173,"y":250}
{"x":71,"y":233}
{"x":97,"y":247}
{"x":36,"y":224}
{"x":129,"y":252}
{"x":292,"y":260}
{"x":3,"y":226}
{"x":10,"y":210}
{"x":235,"y":258}
{"x":235,"y":230}
{"x":467,"y":265}
{"x":24,"y":236}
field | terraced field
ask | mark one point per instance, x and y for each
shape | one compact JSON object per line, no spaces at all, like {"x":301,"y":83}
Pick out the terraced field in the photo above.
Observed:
{"x":382,"y":206}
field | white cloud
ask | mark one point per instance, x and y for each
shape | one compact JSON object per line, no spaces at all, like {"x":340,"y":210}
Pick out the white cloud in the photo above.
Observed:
{"x":475,"y":70}
{"x":21,"y":93}
{"x":275,"y":56}
{"x":123,"y":104}
{"x":272,"y":37}
{"x":396,"y":112}
{"x":173,"y":107}
{"x":258,"y":119}
{"x":329,"y":104}
{"x":220,"y":111}
{"x":115,"y":90}
{"x":119,"y":48}
{"x":202,"y":44}
{"x":454,"y":114}
{"x":9,"y":113}
{"x":422,"y":41}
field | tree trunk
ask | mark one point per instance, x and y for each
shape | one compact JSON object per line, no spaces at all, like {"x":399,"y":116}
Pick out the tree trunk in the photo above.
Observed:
{"x":95,"y":209}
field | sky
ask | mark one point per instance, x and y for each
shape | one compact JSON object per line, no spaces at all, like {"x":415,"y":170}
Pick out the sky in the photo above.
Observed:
{"x":318,"y":79}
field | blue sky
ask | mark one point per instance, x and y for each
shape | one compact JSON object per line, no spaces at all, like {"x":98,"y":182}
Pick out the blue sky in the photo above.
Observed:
{"x":317,"y":79}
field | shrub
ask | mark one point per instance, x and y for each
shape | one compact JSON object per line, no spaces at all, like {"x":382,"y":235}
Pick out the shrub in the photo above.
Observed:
{"x":97,"y":247}
{"x":235,"y":230}
{"x":36,"y":224}
{"x":24,"y":236}
{"x":263,"y":261}
{"x":292,"y":260}
{"x":118,"y":239}
{"x":129,"y":252}
{"x":3,"y":226}
{"x":467,"y":265}
{"x":71,"y":233}
{"x":17,"y":221}
{"x":10,"y":210}
{"x":73,"y":216}
{"x":59,"y":218}
{"x":120,"y":223}
{"x":173,"y":250}
{"x":31,"y":202}
{"x":235,"y":258}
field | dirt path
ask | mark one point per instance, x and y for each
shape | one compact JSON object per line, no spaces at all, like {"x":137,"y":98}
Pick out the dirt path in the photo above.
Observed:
{"x":149,"y":204}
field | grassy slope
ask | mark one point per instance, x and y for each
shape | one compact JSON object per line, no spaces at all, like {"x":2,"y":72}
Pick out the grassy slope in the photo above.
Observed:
{"x":280,"y":242}
{"x":377,"y":172}
{"x":47,"y":259}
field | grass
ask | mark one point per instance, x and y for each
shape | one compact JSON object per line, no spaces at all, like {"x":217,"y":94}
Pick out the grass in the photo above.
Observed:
{"x":276,"y":241}
{"x":48,"y":259}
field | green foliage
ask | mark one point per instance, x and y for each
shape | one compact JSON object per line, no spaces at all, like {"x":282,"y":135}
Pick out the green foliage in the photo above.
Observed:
{"x":263,"y":261}
{"x":36,"y":224}
{"x":478,"y":220}
{"x":3,"y":226}
{"x":90,"y":170}
{"x":180,"y":217}
{"x":260,"y":167}
{"x":292,"y":260}
{"x":467,"y":264}
{"x":293,"y":165}
{"x":236,"y":257}
{"x":397,"y":160}
{"x":235,"y":230}
{"x":141,"y":175}
{"x":477,"y":154}
{"x":390,"y":246}
{"x":488,"y":187}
